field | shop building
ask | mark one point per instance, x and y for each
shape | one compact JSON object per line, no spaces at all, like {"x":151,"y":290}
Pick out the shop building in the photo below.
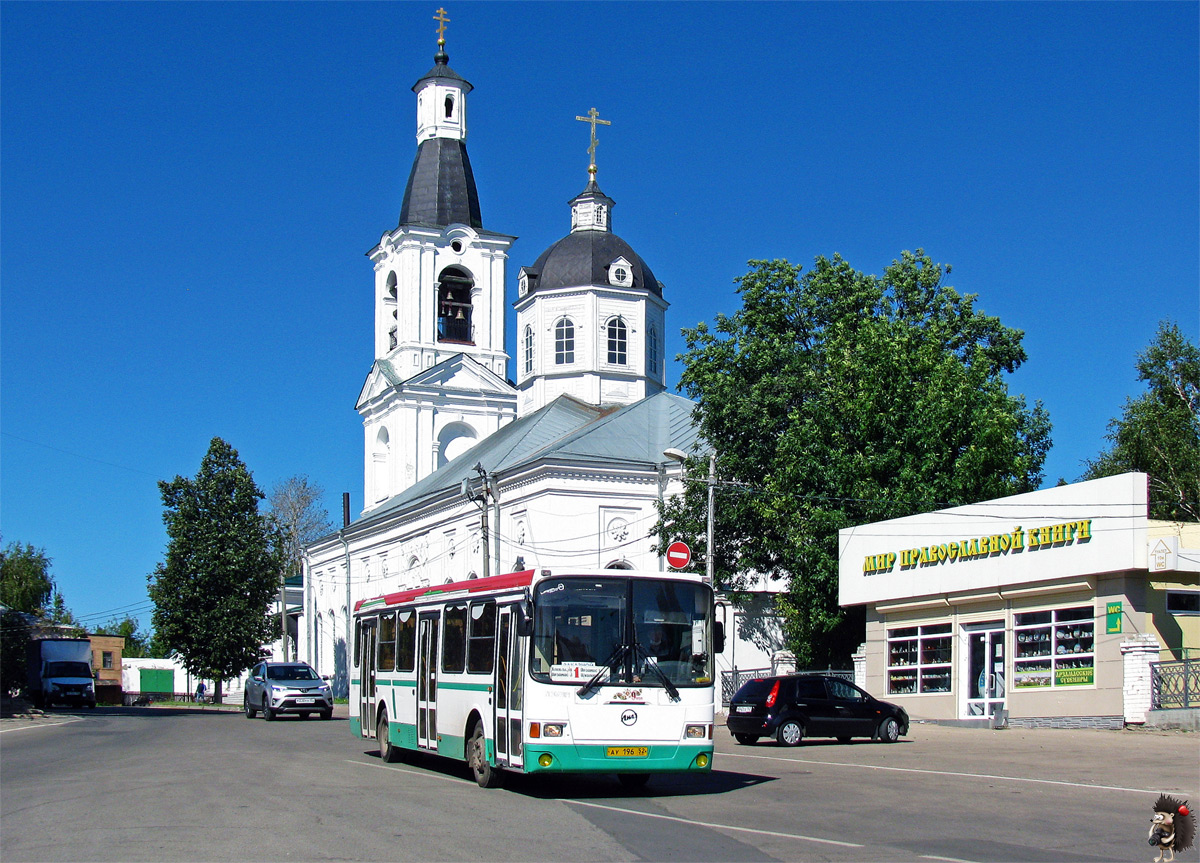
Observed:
{"x":1043,"y":608}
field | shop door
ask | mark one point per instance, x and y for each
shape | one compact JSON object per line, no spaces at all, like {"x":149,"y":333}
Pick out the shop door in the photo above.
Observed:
{"x":427,"y":655}
{"x":985,"y":685}
{"x":507,"y":729}
{"x":367,"y":688}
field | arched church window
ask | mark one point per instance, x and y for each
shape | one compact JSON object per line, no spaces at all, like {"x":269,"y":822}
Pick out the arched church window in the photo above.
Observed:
{"x":652,"y":351}
{"x":564,"y":342}
{"x":380,"y":464}
{"x":617,"y":342}
{"x":454,"y":306}
{"x":528,"y":350}
{"x":449,"y":107}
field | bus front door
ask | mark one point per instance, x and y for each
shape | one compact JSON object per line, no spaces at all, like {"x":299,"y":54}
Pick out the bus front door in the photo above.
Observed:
{"x":366,"y":706}
{"x":427,"y":654}
{"x":507,"y":730}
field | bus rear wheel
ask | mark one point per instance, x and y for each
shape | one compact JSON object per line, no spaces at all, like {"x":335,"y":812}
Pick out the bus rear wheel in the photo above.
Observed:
{"x":486,"y":776}
{"x":387,"y":752}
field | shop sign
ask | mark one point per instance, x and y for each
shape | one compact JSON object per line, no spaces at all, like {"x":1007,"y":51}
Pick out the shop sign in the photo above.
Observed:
{"x":976,"y":548}
{"x":1074,"y":676}
{"x":1112,"y":615}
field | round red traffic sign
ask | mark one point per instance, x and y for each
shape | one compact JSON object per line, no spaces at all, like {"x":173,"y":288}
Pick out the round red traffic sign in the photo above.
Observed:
{"x":678,"y":555}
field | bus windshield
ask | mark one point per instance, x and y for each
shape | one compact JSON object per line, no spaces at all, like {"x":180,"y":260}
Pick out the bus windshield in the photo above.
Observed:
{"x":649,"y":632}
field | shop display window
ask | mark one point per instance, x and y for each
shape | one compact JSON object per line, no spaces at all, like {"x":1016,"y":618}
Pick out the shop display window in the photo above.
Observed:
{"x":919,"y":659}
{"x":1054,"y":648}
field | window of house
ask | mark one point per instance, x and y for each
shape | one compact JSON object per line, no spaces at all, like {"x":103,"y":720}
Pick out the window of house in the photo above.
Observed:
{"x":919,"y":659}
{"x":1183,"y":601}
{"x":528,"y":350}
{"x":454,"y":638}
{"x":106,"y":659}
{"x":386,"y":650}
{"x":1054,"y":648}
{"x":481,"y":641}
{"x":564,"y":342}
{"x":617,"y":335}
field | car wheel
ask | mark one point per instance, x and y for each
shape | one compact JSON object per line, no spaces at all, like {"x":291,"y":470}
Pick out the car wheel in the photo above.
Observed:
{"x":843,"y":740}
{"x":387,"y":752}
{"x":790,"y":733}
{"x":486,"y":776}
{"x":250,"y":711}
{"x":889,"y":731}
{"x":633,"y":780}
{"x":327,"y":714}
{"x":745,"y":739}
{"x":268,"y":713}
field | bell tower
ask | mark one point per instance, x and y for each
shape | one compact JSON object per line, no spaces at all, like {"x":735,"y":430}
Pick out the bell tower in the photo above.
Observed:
{"x":438,"y":383}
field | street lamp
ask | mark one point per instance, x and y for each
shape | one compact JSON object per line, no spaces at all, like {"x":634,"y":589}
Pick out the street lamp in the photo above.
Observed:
{"x":681,"y":457}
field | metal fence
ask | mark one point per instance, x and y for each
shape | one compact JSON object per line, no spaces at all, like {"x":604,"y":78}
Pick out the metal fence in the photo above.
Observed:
{"x":1175,"y":685}
{"x":732,"y":681}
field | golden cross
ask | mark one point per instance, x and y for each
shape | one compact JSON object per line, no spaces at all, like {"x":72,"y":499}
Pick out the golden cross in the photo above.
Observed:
{"x":593,"y":117}
{"x":442,"y":20}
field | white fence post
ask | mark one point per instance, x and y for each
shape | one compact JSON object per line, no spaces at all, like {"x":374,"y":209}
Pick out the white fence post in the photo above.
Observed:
{"x":860,"y":665}
{"x":1136,"y":654}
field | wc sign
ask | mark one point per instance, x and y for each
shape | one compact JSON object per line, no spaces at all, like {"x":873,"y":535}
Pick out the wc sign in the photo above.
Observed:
{"x":678,"y":555}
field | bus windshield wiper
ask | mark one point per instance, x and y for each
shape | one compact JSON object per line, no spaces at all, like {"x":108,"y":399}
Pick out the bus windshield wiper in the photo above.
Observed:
{"x":653,"y":664}
{"x":617,"y":655}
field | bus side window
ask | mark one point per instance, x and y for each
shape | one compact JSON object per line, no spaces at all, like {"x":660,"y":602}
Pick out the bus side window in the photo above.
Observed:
{"x":357,"y":641}
{"x":454,"y":639}
{"x":482,"y":638}
{"x":406,"y":641}
{"x":386,"y":649}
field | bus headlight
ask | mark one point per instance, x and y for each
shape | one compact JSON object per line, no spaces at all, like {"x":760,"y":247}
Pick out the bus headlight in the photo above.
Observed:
{"x":553,"y":730}
{"x":695,"y":732}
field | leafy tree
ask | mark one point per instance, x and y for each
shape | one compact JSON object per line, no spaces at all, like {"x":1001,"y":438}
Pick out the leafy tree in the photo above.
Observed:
{"x":65,"y":624}
{"x":298,"y":519}
{"x":835,"y":398}
{"x":137,"y":643}
{"x":25,"y":581}
{"x":212,"y":593}
{"x":1159,"y":431}
{"x":14,"y":635}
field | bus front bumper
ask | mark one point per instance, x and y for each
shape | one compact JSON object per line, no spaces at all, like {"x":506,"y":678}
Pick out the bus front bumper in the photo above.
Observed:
{"x":598,"y":758}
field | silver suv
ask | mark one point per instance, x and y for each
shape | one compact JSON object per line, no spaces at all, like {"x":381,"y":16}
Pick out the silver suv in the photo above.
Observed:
{"x":286,"y":687}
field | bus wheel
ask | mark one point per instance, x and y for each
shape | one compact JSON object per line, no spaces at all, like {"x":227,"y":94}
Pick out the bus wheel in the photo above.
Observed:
{"x":633,"y":780}
{"x":387,"y":752}
{"x":485,"y":774}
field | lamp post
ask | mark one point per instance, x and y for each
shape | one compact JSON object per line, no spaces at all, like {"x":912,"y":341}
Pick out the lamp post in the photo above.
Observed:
{"x":681,"y":457}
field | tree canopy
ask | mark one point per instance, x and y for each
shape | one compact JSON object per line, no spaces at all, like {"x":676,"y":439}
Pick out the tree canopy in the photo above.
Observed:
{"x":212,"y":594}
{"x":834,"y":398}
{"x":137,"y":643}
{"x":1158,"y":432}
{"x":297,"y":518}
{"x":25,"y":581}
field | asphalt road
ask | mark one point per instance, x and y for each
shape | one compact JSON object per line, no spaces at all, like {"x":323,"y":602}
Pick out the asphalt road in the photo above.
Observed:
{"x":160,"y":784}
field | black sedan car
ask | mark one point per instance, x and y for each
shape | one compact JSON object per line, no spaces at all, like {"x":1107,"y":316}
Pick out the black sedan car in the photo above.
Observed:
{"x":796,"y":706}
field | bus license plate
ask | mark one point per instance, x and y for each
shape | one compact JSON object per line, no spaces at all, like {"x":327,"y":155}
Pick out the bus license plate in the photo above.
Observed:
{"x":305,"y":700}
{"x":627,"y":752}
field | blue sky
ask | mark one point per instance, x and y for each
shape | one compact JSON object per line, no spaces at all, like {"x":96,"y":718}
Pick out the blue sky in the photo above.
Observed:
{"x":189,"y":189}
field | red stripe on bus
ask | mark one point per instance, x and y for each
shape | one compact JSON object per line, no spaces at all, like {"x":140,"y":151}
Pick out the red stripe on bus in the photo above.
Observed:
{"x":474,"y":585}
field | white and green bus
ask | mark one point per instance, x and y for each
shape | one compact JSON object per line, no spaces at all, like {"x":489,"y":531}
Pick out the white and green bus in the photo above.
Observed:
{"x":542,"y":672}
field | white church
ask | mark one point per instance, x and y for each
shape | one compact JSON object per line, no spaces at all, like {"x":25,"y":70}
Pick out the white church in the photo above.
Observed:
{"x":467,"y":474}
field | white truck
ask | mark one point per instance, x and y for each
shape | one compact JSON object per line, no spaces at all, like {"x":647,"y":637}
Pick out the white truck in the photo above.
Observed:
{"x":59,"y":671}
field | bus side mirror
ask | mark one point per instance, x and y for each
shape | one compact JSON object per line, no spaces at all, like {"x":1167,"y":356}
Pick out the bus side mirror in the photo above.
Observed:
{"x":718,"y":637}
{"x":524,"y":619}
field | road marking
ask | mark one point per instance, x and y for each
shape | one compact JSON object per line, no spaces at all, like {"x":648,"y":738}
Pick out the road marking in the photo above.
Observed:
{"x":713,"y":825}
{"x":39,"y":725}
{"x":947,"y":859}
{"x":400,"y":769}
{"x":950,"y":773}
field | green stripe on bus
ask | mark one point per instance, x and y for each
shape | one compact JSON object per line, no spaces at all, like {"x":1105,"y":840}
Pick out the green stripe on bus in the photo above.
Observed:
{"x":471,"y":687}
{"x":411,"y":683}
{"x":590,"y":758}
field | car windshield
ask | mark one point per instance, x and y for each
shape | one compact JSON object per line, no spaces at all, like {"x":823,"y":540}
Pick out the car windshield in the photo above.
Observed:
{"x":290,"y":672}
{"x":652,"y":632}
{"x":68,"y":669}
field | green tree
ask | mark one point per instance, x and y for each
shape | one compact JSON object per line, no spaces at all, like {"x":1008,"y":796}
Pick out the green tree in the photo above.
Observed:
{"x":14,"y":635}
{"x":137,"y":643}
{"x":212,"y":594}
{"x":25,"y":581}
{"x":298,"y":518}
{"x":1158,"y":432}
{"x":834,"y":398}
{"x":62,"y":620}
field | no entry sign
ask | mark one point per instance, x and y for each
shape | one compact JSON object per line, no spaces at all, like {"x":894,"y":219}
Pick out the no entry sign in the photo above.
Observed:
{"x":678,"y":555}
